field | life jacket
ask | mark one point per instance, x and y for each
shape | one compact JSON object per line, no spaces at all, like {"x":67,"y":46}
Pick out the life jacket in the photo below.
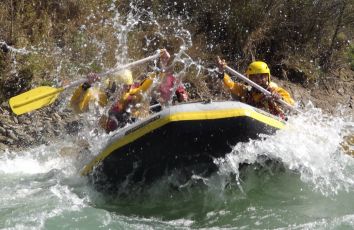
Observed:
{"x":128,"y":99}
{"x":259,"y":100}
{"x":180,"y":91}
{"x":255,"y":98}
{"x":84,"y":95}
{"x":132,"y":103}
{"x":165,"y":89}
{"x":125,"y":110}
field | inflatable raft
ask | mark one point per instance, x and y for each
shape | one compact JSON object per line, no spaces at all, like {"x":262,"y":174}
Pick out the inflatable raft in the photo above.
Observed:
{"x":182,"y":136}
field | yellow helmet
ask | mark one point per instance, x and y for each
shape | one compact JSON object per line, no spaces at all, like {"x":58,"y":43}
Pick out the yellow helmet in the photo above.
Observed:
{"x":121,"y":77}
{"x":258,"y":67}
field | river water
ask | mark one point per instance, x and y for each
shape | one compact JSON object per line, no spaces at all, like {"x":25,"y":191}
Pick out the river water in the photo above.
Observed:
{"x":309,"y":184}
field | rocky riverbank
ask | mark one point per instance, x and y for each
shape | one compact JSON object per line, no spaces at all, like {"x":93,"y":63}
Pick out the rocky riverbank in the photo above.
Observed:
{"x":327,"y":94}
{"x":41,"y":127}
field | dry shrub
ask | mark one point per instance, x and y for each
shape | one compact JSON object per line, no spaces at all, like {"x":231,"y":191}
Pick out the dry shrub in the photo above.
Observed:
{"x":15,"y":84}
{"x":279,"y":32}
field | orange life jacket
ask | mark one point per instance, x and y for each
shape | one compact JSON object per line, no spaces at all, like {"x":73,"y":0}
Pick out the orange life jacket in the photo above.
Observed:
{"x":255,"y":98}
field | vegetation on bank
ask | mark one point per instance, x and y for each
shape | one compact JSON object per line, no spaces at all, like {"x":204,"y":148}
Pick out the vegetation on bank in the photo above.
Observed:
{"x":302,"y":40}
{"x":351,"y":57}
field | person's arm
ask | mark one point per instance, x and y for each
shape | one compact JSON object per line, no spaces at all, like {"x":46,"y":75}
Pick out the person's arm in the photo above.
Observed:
{"x":75,"y":98}
{"x":181,"y":94}
{"x":81,"y":96}
{"x":228,"y":82}
{"x":78,"y":93}
{"x":164,"y":58}
{"x":235,"y":88}
{"x":284,"y":95}
{"x":144,"y":85}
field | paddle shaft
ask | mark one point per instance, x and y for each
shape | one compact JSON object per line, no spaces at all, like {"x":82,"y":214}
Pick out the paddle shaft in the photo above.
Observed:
{"x":81,"y":81}
{"x":119,"y":68}
{"x":260,"y":88}
{"x":42,"y":96}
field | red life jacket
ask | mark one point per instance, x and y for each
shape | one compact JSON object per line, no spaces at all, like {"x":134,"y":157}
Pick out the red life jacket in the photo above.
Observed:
{"x":166,"y":87}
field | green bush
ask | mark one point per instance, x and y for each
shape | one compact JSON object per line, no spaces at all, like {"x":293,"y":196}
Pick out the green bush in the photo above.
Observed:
{"x":351,"y":57}
{"x":3,"y":64}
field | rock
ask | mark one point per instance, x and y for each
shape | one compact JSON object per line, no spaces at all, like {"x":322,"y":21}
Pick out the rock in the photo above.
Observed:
{"x":5,"y":105}
{"x":12,"y":135}
{"x":23,"y":136}
{"x":2,"y":131}
{"x":61,"y":124}
{"x":340,"y":91}
{"x":21,"y":119}
{"x":6,"y":120}
{"x":73,"y":127}
{"x":56,"y":117}
{"x":348,"y":145}
{"x":56,"y":132}
{"x":84,"y":144}
{"x":3,"y":147}
{"x":3,"y":139}
{"x":47,"y":126}
{"x":47,"y":119}
{"x":15,"y":126}
{"x":9,"y":141}
{"x":15,"y":119}
{"x":24,"y":120}
{"x":68,"y":151}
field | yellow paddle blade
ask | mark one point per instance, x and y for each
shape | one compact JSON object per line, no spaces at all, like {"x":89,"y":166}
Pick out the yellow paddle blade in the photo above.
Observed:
{"x":34,"y":99}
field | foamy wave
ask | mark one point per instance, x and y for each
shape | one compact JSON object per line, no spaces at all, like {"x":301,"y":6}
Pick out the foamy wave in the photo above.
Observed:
{"x":309,"y":145}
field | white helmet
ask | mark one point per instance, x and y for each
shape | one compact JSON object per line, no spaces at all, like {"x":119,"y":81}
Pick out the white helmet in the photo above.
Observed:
{"x":122,"y":77}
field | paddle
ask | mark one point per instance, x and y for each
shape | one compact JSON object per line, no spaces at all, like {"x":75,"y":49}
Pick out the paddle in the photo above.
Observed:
{"x":46,"y":95}
{"x":260,"y":88}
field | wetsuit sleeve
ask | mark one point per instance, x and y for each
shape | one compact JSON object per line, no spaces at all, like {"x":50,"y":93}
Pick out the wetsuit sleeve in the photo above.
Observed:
{"x":144,"y":85}
{"x":76,"y":98}
{"x":181,"y":94}
{"x":235,"y":88}
{"x":285,"y":95}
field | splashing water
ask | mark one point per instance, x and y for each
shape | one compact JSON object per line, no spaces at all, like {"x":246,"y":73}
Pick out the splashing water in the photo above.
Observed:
{"x":13,"y":49}
{"x":310,"y":145}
